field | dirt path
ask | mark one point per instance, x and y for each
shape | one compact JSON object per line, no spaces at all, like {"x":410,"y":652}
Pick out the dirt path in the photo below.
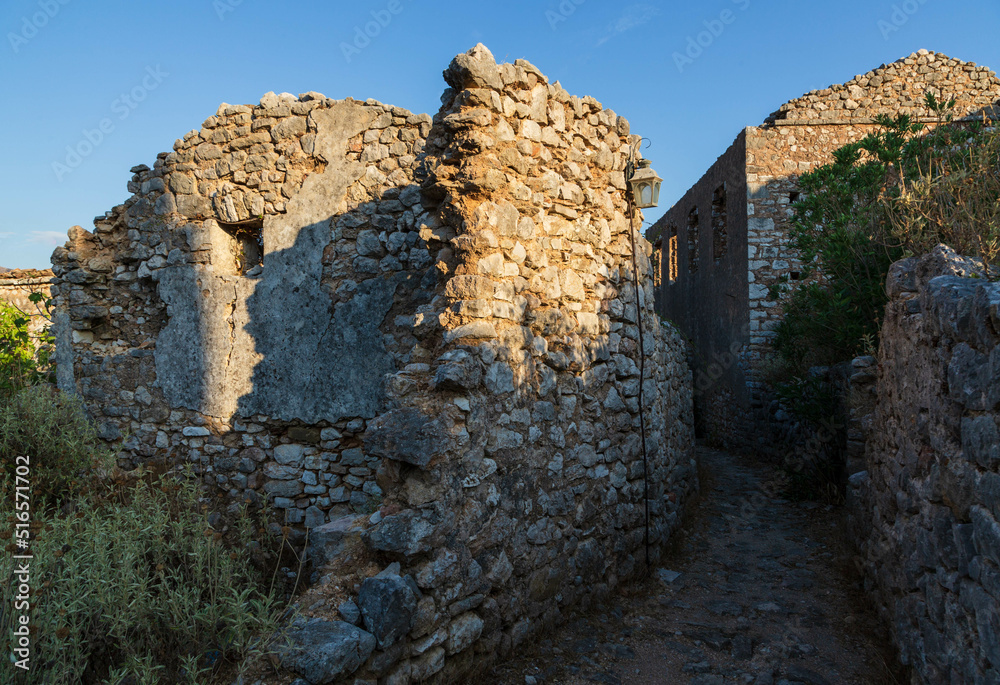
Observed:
{"x":764,"y":596}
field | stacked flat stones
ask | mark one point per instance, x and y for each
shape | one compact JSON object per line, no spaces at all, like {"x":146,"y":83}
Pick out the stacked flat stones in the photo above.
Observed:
{"x":899,"y":88}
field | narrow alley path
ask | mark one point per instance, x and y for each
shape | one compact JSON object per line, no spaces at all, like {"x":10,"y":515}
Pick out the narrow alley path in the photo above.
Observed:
{"x":764,"y":596}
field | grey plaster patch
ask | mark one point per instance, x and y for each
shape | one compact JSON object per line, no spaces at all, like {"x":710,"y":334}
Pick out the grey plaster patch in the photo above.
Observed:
{"x":276,"y":345}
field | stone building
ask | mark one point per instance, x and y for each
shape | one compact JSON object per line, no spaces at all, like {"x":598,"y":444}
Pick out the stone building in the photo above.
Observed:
{"x":418,"y":335}
{"x":725,"y":242}
{"x":16,"y":288}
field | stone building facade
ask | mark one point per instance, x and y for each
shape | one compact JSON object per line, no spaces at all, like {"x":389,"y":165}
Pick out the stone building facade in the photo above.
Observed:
{"x":725,"y":242}
{"x":417,"y":334}
{"x":16,"y":288}
{"x":927,"y":508}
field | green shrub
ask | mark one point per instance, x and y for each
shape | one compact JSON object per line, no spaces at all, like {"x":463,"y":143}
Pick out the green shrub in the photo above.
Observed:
{"x":949,"y":192}
{"x":892,"y":194}
{"x":22,"y":362}
{"x":842,"y":234}
{"x":52,"y":429}
{"x":136,"y":587}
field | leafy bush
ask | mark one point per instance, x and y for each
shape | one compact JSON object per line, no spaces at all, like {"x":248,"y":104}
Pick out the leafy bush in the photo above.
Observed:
{"x":136,"y":587}
{"x":892,"y":194}
{"x":53,"y":430}
{"x":949,"y":192}
{"x":22,"y":363}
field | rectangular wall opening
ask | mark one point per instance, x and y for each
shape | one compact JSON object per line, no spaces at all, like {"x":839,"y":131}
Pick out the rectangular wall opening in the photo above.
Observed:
{"x":692,"y":236}
{"x":248,"y":244}
{"x":720,"y":223}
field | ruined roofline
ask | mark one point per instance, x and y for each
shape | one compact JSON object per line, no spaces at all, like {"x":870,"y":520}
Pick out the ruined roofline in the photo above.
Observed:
{"x":821,"y":106}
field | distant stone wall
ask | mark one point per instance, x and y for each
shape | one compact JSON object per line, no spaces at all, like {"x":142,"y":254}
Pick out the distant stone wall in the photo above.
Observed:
{"x":928,"y":507}
{"x":733,"y":325}
{"x":705,"y":294}
{"x":435,"y":368}
{"x":898,"y":88}
{"x":17,"y":287}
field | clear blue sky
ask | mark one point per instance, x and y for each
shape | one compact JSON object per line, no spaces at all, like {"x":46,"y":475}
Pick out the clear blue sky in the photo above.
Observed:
{"x":62,"y":75}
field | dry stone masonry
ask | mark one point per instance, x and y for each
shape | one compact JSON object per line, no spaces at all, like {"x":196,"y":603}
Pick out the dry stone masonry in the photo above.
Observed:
{"x":898,"y":88}
{"x":418,"y":336}
{"x":721,"y":301}
{"x":928,"y":506}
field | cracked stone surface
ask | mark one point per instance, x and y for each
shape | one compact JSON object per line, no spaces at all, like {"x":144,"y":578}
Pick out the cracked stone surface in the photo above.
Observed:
{"x":765,"y":595}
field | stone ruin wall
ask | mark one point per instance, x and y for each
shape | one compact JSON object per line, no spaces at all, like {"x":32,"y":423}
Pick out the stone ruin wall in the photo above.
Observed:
{"x":708,"y":298}
{"x":801,"y":136}
{"x":16,"y":288}
{"x":443,"y":332}
{"x":926,"y":511}
{"x":898,"y":88}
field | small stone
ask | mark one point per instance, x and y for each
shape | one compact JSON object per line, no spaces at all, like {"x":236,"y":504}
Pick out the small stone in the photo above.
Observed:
{"x":350,"y":612}
{"x":289,"y":455}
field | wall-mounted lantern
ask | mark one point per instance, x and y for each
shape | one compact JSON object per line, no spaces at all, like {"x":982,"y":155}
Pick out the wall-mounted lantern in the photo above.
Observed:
{"x":645,"y":186}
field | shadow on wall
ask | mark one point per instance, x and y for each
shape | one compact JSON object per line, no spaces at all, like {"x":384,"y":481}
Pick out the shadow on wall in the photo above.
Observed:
{"x":295,"y":339}
{"x":302,"y":337}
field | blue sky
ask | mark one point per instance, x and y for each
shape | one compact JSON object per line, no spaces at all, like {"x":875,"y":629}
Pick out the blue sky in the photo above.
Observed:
{"x":150,"y":72}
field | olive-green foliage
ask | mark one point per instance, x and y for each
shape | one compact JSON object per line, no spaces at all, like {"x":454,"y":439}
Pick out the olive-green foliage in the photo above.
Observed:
{"x":22,"y":362}
{"x":839,"y":229}
{"x":892,"y":194}
{"x":136,"y":587}
{"x":950,"y":192}
{"x":52,"y":429}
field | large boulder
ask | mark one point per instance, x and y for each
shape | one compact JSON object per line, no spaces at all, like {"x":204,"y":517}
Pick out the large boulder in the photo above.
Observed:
{"x":322,"y":651}
{"x":476,"y":68}
{"x":335,"y":539}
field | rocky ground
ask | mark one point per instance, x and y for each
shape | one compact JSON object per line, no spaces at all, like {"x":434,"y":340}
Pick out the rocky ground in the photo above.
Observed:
{"x":758,"y":590}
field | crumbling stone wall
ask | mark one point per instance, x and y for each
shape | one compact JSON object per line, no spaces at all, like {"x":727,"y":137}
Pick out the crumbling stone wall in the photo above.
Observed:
{"x":929,"y":504}
{"x":898,"y":88}
{"x":264,"y":376}
{"x":16,"y":288}
{"x":735,"y":406}
{"x":443,"y":331}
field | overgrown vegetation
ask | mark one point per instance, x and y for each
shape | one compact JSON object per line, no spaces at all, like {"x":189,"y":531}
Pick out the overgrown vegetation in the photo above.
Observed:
{"x":129,"y":582}
{"x":900,"y":191}
{"x":133,"y":585}
{"x":24,"y":360}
